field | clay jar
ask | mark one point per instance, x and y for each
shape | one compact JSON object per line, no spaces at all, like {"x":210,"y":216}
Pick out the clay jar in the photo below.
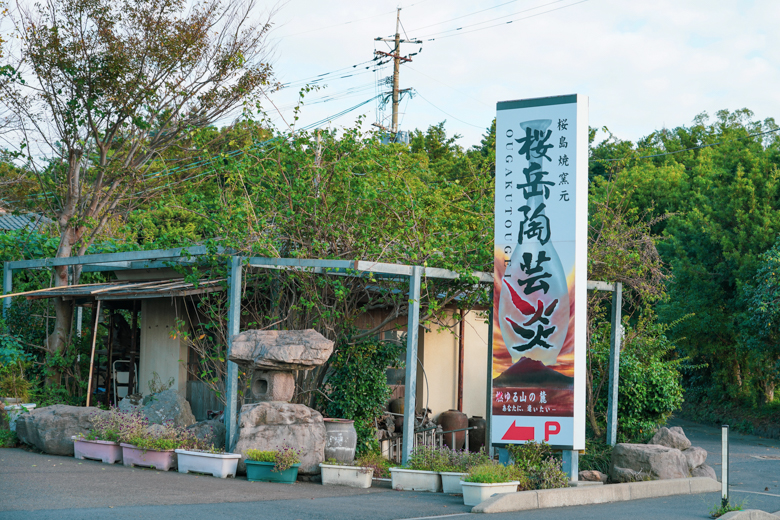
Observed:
{"x":340,"y":440}
{"x":396,"y":406}
{"x":454,"y":420}
{"x":477,"y":435}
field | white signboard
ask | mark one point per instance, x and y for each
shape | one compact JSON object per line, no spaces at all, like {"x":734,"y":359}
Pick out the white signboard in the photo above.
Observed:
{"x":540,"y":272}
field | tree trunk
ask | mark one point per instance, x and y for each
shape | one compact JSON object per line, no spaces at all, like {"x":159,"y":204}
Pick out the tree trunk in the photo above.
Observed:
{"x":769,"y":391}
{"x":58,"y":339}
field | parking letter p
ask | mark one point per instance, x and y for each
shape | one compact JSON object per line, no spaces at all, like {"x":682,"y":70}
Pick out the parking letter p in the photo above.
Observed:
{"x":551,"y":428}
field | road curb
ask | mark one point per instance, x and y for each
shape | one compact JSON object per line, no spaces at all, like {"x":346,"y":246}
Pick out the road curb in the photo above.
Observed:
{"x":578,"y":496}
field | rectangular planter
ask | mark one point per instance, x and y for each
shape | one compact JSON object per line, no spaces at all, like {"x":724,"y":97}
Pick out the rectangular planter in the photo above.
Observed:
{"x":474,"y":492}
{"x":415,"y":480}
{"x":220,"y":465}
{"x":135,"y":456}
{"x":351,"y":476}
{"x":450,"y":482}
{"x":262,"y":472}
{"x":104,"y":451}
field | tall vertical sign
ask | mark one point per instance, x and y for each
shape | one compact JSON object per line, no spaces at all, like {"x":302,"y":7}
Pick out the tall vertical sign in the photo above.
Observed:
{"x":540,"y":272}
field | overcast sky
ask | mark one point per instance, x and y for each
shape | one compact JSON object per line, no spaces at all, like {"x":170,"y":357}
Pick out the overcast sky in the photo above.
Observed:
{"x":644,"y":64}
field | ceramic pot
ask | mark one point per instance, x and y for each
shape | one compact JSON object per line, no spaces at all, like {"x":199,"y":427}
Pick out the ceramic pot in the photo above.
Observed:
{"x":340,"y":440}
{"x":454,"y":420}
{"x":396,"y":406}
{"x":477,"y":435}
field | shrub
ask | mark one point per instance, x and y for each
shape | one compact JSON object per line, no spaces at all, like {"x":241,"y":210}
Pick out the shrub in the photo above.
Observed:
{"x":429,"y":458}
{"x":494,"y":473}
{"x":8,"y":439}
{"x":375,"y":460}
{"x":540,"y":464}
{"x":106,"y":426}
{"x":134,"y":428}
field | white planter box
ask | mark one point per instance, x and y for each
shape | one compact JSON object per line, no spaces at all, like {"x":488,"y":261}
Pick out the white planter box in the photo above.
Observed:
{"x":220,"y":465}
{"x":352,"y":476}
{"x":450,"y":482}
{"x":415,"y":480}
{"x":474,"y":493}
{"x":15,"y":410}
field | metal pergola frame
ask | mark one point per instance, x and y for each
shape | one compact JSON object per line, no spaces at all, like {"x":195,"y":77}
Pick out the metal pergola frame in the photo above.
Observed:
{"x":157,"y":259}
{"x":162,"y":258}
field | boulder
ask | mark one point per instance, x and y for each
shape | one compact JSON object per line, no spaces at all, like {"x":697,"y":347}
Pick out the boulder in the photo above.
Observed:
{"x":641,"y":461}
{"x":167,"y":406}
{"x":210,"y":433}
{"x":671,"y":438}
{"x":695,"y":456}
{"x":130,"y":403}
{"x":704,"y":471}
{"x":271,"y":425}
{"x":592,"y":476}
{"x":280,"y":349}
{"x":50,"y":428}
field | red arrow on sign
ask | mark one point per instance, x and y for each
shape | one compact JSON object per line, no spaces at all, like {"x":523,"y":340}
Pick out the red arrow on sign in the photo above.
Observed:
{"x":519,"y":433}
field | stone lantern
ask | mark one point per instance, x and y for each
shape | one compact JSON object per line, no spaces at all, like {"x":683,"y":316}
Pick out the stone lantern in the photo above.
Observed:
{"x":273,"y":356}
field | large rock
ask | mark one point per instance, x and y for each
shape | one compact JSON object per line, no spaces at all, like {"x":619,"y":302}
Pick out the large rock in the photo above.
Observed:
{"x":281,"y":349}
{"x":704,"y":471}
{"x":646,"y":461}
{"x":695,"y":457}
{"x":130,"y":403}
{"x":271,"y":425}
{"x":50,"y":428}
{"x":592,"y":475}
{"x":168,"y":406}
{"x":210,"y":433}
{"x":671,"y":438}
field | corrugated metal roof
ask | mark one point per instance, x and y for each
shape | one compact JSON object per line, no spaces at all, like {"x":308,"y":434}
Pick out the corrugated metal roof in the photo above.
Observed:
{"x":30,"y":221}
{"x":129,"y":291}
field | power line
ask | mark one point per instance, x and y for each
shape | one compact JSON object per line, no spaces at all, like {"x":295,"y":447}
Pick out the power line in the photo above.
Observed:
{"x":464,"y":16}
{"x":447,"y":113}
{"x":435,"y":37}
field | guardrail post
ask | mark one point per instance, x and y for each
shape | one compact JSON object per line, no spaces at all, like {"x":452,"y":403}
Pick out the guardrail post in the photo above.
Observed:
{"x":724,"y":477}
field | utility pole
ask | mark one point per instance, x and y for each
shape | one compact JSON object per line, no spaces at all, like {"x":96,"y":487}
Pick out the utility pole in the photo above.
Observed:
{"x":397,"y":59}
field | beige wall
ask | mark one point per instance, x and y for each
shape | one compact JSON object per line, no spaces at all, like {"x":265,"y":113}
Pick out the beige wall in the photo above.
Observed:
{"x":438,"y":350}
{"x":159,"y":352}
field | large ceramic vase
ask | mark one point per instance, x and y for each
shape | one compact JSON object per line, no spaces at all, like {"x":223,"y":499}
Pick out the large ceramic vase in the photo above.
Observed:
{"x":454,"y":420}
{"x":477,"y":435}
{"x":396,"y":407}
{"x":340,"y":440}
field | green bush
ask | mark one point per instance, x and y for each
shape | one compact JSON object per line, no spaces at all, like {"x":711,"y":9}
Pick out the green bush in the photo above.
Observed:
{"x":597,"y":456}
{"x":357,"y":389}
{"x":541,"y":466}
{"x":283,"y":458}
{"x":649,"y":389}
{"x":494,"y":473}
{"x":8,"y":439}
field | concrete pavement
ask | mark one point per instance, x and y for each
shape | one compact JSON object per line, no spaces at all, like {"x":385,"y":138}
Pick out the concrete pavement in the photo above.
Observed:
{"x":35,"y":486}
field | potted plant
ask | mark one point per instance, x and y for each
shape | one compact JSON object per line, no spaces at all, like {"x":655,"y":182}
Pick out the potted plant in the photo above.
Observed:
{"x":102,"y":441}
{"x":208,"y":460}
{"x":422,"y":470}
{"x":280,"y":465}
{"x":457,"y":469}
{"x":491,"y":478}
{"x":153,"y":445}
{"x":16,"y":389}
{"x":358,"y":474}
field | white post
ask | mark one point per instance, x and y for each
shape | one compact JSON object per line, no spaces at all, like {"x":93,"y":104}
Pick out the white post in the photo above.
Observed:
{"x":410,"y":390}
{"x":233,"y":325}
{"x":614,"y":364}
{"x":724,"y":477}
{"x":571,"y":464}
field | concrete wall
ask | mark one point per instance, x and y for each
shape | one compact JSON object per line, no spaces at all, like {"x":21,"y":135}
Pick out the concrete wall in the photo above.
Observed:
{"x":159,"y":352}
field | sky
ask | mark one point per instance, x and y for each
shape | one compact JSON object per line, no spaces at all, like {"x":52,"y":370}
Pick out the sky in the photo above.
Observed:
{"x":644,"y":65}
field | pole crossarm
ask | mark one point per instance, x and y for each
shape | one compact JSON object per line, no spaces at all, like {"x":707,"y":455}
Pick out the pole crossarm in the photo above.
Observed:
{"x":396,"y":56}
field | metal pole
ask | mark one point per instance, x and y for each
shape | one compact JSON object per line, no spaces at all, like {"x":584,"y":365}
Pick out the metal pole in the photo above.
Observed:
{"x":489,"y":385}
{"x":571,"y":463}
{"x":412,"y":332}
{"x":92,"y":356}
{"x":396,"y":73}
{"x":614,"y":364}
{"x":79,"y":320}
{"x":233,"y":326}
{"x":461,"y":349}
{"x":724,"y":477}
{"x":8,"y":285}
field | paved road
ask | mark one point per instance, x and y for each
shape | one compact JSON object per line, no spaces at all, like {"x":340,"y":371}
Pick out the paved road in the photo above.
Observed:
{"x":34,"y":486}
